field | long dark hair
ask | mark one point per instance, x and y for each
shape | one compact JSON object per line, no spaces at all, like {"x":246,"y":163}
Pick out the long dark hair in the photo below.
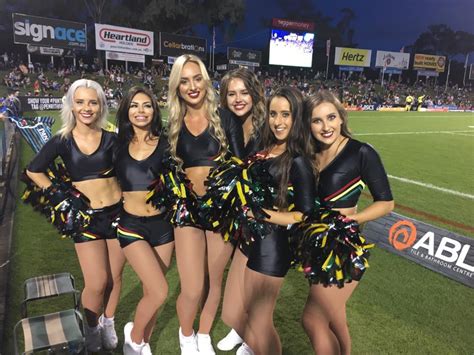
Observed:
{"x":297,"y":143}
{"x":125,"y":129}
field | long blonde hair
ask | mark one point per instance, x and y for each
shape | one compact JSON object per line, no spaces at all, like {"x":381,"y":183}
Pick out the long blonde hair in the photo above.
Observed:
{"x":177,"y":107}
{"x":67,"y":117}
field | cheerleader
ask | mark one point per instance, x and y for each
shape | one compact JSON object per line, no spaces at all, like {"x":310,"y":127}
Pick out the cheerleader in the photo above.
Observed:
{"x":146,"y":238}
{"x":198,"y":137}
{"x":286,"y":158}
{"x":87,"y":152}
{"x":345,"y":166}
{"x":242,"y":94}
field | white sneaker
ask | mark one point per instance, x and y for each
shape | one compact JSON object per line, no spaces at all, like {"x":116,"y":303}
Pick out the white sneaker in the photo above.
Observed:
{"x":129,"y":347}
{"x":244,"y":349}
{"x":205,"y":344}
{"x":109,"y":336}
{"x":188,"y":344}
{"x":146,"y":350}
{"x":230,"y":341}
{"x":93,"y":338}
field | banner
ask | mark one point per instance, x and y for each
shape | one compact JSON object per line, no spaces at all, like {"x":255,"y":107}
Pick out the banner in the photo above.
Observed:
{"x":427,"y":73}
{"x":293,"y":25}
{"x":437,"y":249}
{"x":123,"y":39}
{"x":126,"y":57}
{"x":175,"y":45}
{"x":40,"y":103}
{"x":245,"y":57}
{"x":428,"y":61}
{"x":352,"y":57}
{"x":47,"y":32}
{"x":353,"y":69}
{"x":45,"y":50}
{"x":395,"y":60}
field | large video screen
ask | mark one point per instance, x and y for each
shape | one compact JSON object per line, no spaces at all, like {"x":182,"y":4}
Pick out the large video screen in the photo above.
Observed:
{"x":291,"y":48}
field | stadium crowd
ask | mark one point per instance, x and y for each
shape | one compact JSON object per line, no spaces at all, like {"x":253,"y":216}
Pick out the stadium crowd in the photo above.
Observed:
{"x":355,"y":89}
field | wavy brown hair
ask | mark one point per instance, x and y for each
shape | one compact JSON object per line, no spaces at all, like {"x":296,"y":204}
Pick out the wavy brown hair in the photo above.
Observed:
{"x":256,"y":91}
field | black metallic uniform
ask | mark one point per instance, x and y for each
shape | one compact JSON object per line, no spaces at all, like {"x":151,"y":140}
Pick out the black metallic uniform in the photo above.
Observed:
{"x":82,"y":167}
{"x":342,"y":181}
{"x":137,"y":175}
{"x":201,"y":150}
{"x":271,"y":255}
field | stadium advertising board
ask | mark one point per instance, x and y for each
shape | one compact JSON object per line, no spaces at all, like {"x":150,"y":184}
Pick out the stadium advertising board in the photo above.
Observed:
{"x":437,"y":249}
{"x":47,"y":32}
{"x":355,"y":57}
{"x":126,"y":57}
{"x":395,"y":60}
{"x":40,"y":103}
{"x":245,"y":57}
{"x":428,"y":61}
{"x":58,"y":52}
{"x":293,"y":25}
{"x":123,"y":39}
{"x":172,"y":45}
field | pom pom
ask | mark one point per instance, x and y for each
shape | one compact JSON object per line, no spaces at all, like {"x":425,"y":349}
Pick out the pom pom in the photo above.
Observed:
{"x":233,"y":189}
{"x":62,"y":204}
{"x":330,"y":248}
{"x":172,"y":192}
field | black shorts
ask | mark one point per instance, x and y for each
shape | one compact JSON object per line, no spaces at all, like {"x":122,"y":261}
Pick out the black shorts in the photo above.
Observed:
{"x":102,"y":224}
{"x":153,"y":229}
{"x":270,"y":255}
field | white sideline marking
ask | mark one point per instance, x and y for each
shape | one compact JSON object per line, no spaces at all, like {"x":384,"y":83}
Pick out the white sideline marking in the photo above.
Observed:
{"x":471,"y":126}
{"x":433,"y":187}
{"x":461,"y":134}
{"x":414,"y":132}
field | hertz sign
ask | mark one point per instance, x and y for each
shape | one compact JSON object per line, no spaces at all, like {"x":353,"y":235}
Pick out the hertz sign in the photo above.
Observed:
{"x":437,"y":249}
{"x":353,"y":57}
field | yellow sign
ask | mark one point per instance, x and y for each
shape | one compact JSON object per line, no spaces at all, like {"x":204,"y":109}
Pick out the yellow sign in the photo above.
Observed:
{"x":429,"y":61}
{"x":353,"y":57}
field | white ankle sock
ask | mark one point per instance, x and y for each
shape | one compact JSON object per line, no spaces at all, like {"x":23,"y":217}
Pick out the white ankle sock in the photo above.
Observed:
{"x":107,"y":320}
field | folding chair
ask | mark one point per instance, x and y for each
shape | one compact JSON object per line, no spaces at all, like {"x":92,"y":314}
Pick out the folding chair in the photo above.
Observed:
{"x":55,"y":332}
{"x":46,"y":286}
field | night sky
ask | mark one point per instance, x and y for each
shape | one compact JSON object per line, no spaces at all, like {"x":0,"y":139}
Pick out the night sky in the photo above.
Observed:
{"x":384,"y":24}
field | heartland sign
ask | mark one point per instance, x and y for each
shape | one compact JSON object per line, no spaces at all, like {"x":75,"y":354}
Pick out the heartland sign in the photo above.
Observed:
{"x":437,"y":249}
{"x":122,"y":39}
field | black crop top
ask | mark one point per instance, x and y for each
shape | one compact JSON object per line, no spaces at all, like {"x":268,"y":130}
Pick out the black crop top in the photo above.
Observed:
{"x":342,"y":181}
{"x":202,"y":149}
{"x":137,"y":175}
{"x":80,"y":166}
{"x":301,"y":179}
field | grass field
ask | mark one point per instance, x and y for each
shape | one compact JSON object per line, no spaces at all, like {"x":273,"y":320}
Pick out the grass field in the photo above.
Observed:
{"x":398,"y":308}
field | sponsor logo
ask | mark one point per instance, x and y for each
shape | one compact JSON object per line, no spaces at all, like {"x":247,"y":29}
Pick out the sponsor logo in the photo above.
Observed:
{"x":40,"y":32}
{"x":129,"y":37}
{"x":449,"y":253}
{"x":402,"y":235}
{"x":349,"y":57}
{"x":183,"y":46}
